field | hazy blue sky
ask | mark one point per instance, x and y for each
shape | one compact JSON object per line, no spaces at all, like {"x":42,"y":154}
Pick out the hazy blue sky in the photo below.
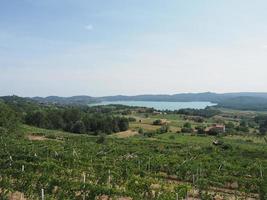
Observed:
{"x":106,"y":47}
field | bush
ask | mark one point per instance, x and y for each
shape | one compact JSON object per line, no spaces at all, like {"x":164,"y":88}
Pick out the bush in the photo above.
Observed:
{"x":226,"y":146}
{"x":187,"y":130}
{"x":150,"y":134}
{"x":213,"y":131}
{"x":157,"y":122}
{"x":131,"y":119}
{"x":141,"y":131}
{"x":101,"y":139}
{"x":200,"y":130}
{"x":187,"y":125}
{"x":163,"y":129}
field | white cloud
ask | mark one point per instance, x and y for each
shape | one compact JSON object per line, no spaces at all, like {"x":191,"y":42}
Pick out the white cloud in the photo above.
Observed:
{"x":89,"y":27}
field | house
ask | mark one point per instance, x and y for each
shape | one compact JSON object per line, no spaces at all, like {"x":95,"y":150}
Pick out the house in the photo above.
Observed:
{"x":157,"y":112}
{"x":218,"y":128}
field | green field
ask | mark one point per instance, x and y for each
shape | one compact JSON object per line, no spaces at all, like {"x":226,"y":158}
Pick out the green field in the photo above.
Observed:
{"x":71,"y":166}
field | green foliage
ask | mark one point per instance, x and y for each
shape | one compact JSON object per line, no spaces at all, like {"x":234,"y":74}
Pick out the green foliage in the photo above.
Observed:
{"x":128,"y":166}
{"x":200,"y":130}
{"x":140,"y":186}
{"x":172,"y":137}
{"x":157,"y":122}
{"x":134,"y":165}
{"x":182,"y":190}
{"x":76,"y":120}
{"x":263,"y":189}
{"x":141,"y":131}
{"x":245,"y":103}
{"x":3,"y":131}
{"x":132,"y":119}
{"x":208,"y":112}
{"x":101,"y":139}
{"x":187,"y":128}
{"x":261,"y":120}
{"x":150,"y":133}
{"x":163,"y":129}
{"x":37,"y":118}
{"x":230,"y":127}
{"x":8,"y":118}
{"x":78,"y":127}
{"x":187,"y":125}
{"x":263,"y":127}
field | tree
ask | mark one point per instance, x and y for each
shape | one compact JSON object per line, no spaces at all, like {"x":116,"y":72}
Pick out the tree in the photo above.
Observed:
{"x":71,"y":115}
{"x":37,"y":118}
{"x":263,"y":127}
{"x":55,"y":120}
{"x":123,"y":124}
{"x":8,"y":118}
{"x":230,"y":125}
{"x":78,"y":127}
{"x":157,"y":122}
{"x":141,"y":130}
{"x":187,"y":128}
{"x":243,"y":123}
{"x":187,"y":125}
{"x":213,"y":131}
{"x":164,"y":129}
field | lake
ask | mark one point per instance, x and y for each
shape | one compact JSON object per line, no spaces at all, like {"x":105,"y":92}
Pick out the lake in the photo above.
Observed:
{"x":159,"y":105}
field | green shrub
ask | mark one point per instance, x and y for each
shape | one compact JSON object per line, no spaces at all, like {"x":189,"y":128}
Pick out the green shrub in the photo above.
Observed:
{"x":141,"y":131}
{"x":101,"y":139}
{"x":3,"y":131}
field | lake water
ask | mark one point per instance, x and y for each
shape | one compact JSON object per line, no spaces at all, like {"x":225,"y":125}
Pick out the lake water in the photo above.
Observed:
{"x":159,"y":105}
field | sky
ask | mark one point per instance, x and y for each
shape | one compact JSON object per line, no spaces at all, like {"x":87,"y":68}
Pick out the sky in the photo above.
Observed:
{"x":110,"y":47}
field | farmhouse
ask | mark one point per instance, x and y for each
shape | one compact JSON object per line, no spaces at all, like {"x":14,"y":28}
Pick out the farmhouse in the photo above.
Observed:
{"x":216,"y":128}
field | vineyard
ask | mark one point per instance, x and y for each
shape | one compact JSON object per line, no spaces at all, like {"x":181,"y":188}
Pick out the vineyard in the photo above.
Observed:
{"x":42,"y":164}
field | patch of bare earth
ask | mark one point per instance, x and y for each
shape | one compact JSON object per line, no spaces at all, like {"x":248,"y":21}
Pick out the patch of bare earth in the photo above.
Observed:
{"x":16,"y":196}
{"x":126,"y":134}
{"x":36,"y":138}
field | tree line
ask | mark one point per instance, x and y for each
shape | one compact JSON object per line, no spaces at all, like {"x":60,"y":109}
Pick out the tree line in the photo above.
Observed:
{"x":207,"y":112}
{"x":77,"y":119}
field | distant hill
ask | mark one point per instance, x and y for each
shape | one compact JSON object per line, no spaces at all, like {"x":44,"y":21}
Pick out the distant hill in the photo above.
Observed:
{"x":240,"y":101}
{"x":75,"y":100}
{"x":184,"y":97}
{"x":245,"y":103}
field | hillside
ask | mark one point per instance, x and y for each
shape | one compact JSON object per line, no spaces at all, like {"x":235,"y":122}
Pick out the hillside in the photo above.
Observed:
{"x":245,"y":103}
{"x":77,"y":100}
